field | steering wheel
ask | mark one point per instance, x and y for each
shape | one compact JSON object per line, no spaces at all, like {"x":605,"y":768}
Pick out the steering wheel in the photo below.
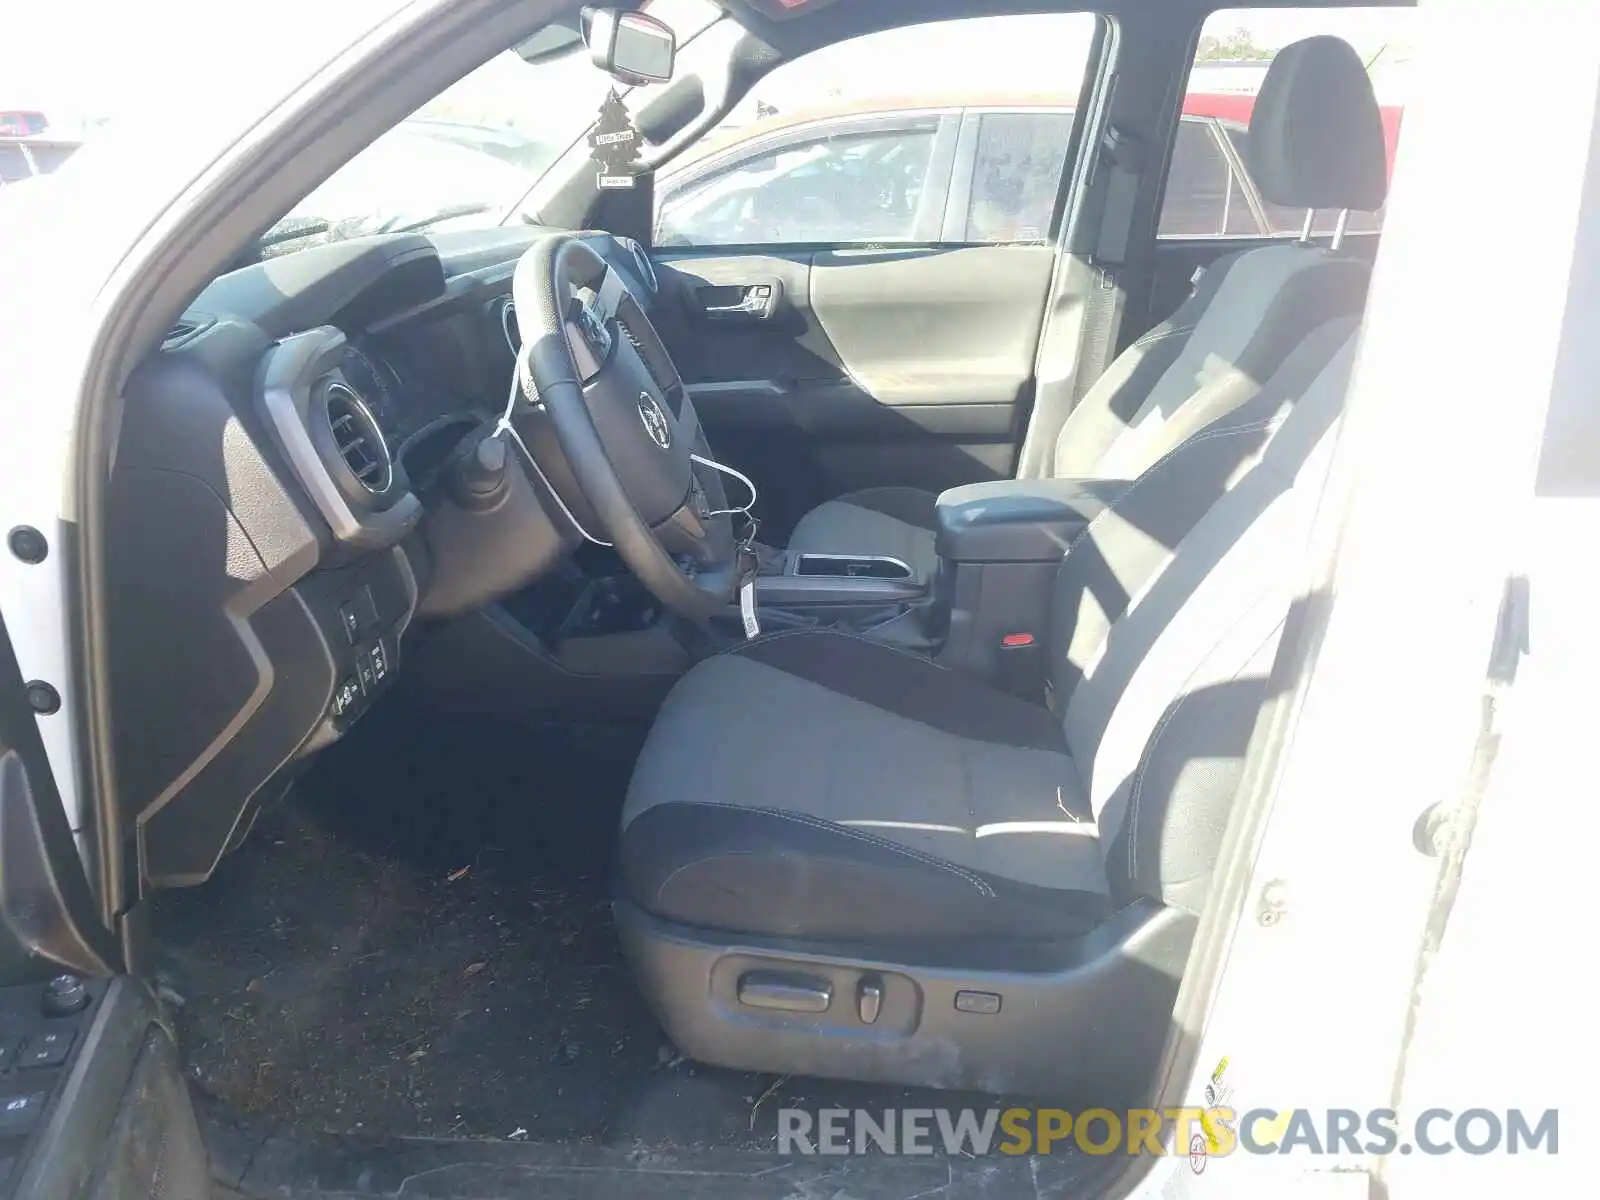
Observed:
{"x":605,"y":412}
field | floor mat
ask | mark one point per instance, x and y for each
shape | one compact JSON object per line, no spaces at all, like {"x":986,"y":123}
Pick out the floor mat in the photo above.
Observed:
{"x":361,"y":1168}
{"x":418,"y":944}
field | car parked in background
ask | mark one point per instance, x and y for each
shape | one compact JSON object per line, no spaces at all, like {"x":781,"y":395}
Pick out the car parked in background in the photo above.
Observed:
{"x":978,"y":169}
{"x":22,"y":122}
{"x":27,"y":157}
{"x":423,"y":174}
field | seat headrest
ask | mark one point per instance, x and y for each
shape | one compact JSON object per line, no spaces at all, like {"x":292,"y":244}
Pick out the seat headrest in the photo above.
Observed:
{"x":1316,"y":135}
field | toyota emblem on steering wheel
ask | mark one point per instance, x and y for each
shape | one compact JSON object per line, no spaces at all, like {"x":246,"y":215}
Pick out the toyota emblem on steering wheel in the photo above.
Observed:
{"x":655,"y":421}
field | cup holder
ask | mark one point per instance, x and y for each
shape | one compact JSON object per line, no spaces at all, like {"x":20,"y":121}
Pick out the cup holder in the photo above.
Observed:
{"x":852,"y":566}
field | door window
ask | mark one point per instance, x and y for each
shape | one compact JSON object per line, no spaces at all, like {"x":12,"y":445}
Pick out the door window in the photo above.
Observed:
{"x":1016,"y":175}
{"x":858,"y":142}
{"x":847,"y":187}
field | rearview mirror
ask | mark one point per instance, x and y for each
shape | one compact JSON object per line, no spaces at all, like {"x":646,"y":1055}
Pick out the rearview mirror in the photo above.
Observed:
{"x":632,"y":47}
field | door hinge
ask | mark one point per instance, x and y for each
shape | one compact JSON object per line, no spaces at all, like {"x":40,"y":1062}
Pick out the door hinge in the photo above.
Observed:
{"x":1436,"y":828}
{"x":1274,"y":905}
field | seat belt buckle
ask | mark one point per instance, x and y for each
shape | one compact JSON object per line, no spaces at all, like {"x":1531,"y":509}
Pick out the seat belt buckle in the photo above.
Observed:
{"x":1020,"y":662}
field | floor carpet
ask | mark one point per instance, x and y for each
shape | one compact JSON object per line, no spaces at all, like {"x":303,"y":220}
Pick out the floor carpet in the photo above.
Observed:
{"x":417,"y":943}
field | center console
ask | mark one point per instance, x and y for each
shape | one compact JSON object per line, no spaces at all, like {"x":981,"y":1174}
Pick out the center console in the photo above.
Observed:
{"x":864,"y":592}
{"x":590,"y":642}
{"x":1000,"y":545}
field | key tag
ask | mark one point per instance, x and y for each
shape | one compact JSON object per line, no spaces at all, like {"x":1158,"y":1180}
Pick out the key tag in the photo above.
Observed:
{"x":749,"y":567}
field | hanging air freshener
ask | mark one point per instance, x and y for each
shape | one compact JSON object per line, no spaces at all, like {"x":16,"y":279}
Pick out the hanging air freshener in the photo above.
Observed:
{"x":614,"y":144}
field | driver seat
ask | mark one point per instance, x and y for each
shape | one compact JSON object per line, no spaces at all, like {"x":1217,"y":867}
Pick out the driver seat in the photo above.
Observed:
{"x":838,"y":858}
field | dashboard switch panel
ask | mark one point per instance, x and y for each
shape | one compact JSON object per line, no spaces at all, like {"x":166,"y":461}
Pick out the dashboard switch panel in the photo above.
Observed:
{"x":63,"y":996}
{"x":36,"y":1052}
{"x":20,"y":1113}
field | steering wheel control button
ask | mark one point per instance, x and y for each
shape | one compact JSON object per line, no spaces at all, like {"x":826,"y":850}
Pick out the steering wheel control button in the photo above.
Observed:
{"x":63,"y":996}
{"x":984,"y":1004}
{"x":46,"y":1049}
{"x":345,"y":697}
{"x":364,"y":673}
{"x":351,"y":622}
{"x":869,"y":999}
{"x":379,"y":663}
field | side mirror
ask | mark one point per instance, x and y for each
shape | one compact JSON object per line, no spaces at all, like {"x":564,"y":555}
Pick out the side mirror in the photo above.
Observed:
{"x":632,"y":47}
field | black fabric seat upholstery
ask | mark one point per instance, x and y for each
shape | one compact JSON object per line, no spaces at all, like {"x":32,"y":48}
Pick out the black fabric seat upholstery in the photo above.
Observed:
{"x":821,"y":786}
{"x":802,"y":827}
{"x":1316,"y":142}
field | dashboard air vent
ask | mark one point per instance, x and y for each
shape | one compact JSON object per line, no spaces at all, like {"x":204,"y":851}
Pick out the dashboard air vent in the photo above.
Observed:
{"x":508,"y":326}
{"x":360,"y":441}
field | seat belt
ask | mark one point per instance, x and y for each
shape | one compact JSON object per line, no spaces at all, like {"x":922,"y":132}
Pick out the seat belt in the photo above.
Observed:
{"x":1115,"y":199}
{"x":1103,"y":307}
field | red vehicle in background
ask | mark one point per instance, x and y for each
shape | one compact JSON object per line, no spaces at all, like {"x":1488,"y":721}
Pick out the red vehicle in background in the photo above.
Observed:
{"x":27,"y":147}
{"x":22,"y":122}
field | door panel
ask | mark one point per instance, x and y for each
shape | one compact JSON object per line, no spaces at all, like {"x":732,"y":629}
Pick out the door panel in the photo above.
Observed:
{"x":122,"y":1122}
{"x":93,"y":1101}
{"x":936,"y":327}
{"x":875,"y":366}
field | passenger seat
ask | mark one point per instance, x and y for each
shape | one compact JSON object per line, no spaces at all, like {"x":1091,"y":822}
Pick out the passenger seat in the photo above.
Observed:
{"x":1316,"y":142}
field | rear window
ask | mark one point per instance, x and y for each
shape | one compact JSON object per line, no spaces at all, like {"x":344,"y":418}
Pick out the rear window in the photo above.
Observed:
{"x":1016,"y":175}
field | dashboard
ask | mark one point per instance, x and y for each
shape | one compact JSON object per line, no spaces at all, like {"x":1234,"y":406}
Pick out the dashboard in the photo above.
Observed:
{"x":282,"y":512}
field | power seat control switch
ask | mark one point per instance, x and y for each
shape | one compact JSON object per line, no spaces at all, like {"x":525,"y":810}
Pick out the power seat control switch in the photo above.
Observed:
{"x":784,"y":991}
{"x":869,"y":999}
{"x":982,"y":1003}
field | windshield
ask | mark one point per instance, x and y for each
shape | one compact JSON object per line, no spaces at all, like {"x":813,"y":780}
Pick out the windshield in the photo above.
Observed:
{"x":467,"y":158}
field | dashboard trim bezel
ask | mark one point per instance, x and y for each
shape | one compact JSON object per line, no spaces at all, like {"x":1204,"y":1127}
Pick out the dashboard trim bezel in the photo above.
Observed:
{"x":290,"y":372}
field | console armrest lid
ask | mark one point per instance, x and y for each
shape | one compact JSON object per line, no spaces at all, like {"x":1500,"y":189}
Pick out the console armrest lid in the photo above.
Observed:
{"x":1020,"y":520}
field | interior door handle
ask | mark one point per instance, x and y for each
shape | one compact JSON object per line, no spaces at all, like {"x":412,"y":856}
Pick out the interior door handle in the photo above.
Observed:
{"x":750,"y":304}
{"x":740,"y":301}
